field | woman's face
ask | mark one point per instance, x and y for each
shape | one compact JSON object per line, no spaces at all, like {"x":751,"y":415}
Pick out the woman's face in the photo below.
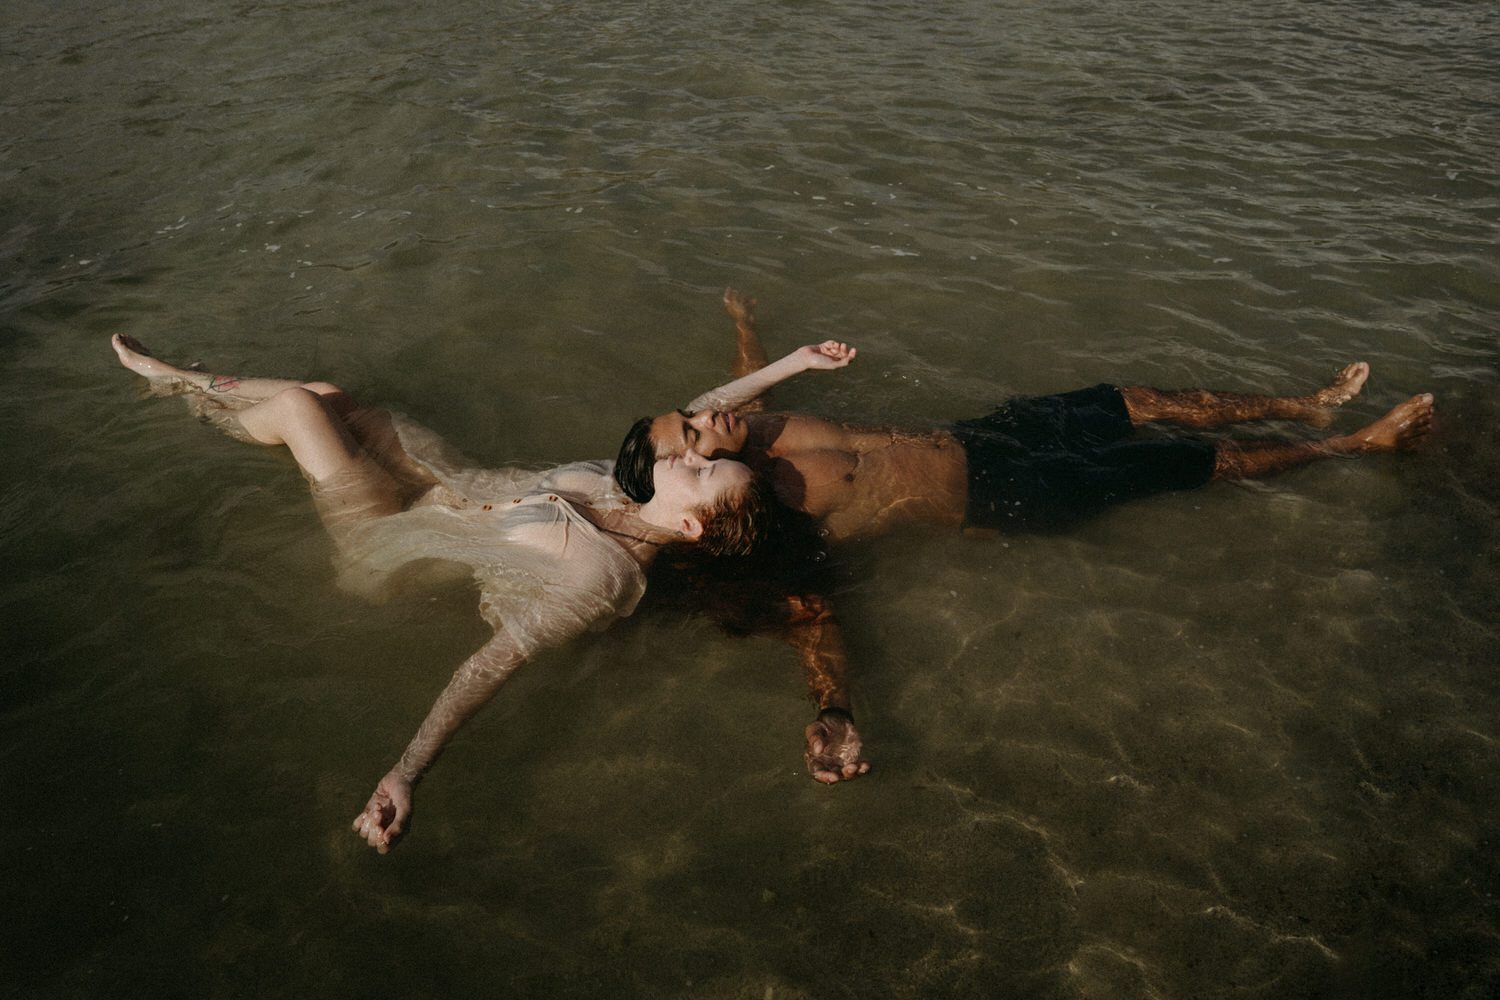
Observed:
{"x":687,"y":483}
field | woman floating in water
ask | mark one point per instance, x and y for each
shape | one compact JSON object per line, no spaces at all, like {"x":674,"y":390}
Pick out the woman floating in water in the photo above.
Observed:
{"x":556,"y":553}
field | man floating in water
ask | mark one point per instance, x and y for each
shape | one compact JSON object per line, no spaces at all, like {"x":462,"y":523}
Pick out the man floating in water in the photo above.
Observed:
{"x":1037,"y":462}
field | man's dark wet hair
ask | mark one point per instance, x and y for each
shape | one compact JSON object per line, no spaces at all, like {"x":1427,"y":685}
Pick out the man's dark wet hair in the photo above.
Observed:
{"x":636,"y":463}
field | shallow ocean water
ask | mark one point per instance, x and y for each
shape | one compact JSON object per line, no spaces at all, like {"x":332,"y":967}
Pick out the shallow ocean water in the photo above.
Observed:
{"x":1234,"y":743}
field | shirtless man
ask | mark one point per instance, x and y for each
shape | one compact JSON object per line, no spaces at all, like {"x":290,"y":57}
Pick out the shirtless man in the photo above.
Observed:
{"x":1036,"y":462}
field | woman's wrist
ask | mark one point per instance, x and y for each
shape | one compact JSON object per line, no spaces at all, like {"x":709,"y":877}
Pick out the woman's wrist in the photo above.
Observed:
{"x":408,"y":769}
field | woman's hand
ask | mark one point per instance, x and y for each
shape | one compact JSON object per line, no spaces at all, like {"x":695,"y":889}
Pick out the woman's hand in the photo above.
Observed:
{"x":385,"y":815}
{"x":828,"y":355}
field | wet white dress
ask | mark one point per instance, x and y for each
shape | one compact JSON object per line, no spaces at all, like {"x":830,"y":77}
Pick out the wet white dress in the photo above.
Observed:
{"x":545,"y":572}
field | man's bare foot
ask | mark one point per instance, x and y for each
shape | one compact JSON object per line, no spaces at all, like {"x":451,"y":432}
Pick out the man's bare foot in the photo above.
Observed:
{"x":1401,"y":428}
{"x":739,"y":305}
{"x":1344,"y":387}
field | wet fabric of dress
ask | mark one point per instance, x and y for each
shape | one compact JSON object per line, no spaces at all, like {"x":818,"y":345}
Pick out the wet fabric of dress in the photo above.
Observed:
{"x":545,"y":572}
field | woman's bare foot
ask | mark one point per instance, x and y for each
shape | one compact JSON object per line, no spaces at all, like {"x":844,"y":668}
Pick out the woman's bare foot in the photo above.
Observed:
{"x":140,"y":360}
{"x":1401,"y":428}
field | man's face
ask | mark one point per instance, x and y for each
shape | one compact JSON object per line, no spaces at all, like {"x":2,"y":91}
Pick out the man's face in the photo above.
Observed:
{"x":709,"y":433}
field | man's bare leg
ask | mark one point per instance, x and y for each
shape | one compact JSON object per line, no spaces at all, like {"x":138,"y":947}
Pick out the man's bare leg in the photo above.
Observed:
{"x":1202,"y":408}
{"x":1400,"y":428}
{"x":749,"y":355}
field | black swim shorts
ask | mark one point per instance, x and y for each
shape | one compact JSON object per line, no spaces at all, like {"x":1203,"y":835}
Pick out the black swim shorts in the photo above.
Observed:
{"x":1045,"y":461}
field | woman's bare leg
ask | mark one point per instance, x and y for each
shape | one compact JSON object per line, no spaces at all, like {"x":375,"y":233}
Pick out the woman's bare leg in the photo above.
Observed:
{"x":370,"y":427}
{"x":376,"y":433}
{"x":232,"y":390}
{"x":305,"y":422}
{"x":1202,"y":408}
{"x":332,"y":438}
{"x":1398,"y":429}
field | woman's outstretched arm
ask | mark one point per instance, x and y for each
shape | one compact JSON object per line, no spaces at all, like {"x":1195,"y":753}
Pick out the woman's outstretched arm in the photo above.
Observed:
{"x":384,"y":817}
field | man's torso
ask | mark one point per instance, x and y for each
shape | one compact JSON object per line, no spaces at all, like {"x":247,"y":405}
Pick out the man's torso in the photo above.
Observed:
{"x":859,"y":481}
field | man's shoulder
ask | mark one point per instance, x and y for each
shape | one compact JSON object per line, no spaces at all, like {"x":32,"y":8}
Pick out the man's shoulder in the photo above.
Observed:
{"x":783,"y":435}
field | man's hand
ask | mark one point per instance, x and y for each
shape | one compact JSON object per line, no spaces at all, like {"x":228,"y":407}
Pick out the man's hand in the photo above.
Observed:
{"x":828,"y":355}
{"x":833,"y":748}
{"x":385,"y":815}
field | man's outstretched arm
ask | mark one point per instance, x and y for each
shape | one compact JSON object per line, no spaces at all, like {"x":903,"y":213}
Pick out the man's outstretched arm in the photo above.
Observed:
{"x":834,"y":751}
{"x":753,"y":375}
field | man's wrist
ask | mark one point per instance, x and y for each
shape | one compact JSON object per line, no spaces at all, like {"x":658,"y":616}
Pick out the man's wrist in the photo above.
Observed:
{"x":842,"y":713}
